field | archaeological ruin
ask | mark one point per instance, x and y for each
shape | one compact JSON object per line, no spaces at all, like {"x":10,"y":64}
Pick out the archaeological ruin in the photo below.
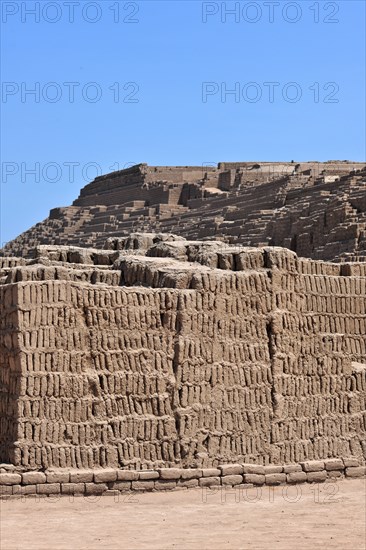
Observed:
{"x":188,"y":327}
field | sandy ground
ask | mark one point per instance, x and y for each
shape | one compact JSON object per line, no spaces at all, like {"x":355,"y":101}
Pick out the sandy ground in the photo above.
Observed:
{"x":327,"y":516}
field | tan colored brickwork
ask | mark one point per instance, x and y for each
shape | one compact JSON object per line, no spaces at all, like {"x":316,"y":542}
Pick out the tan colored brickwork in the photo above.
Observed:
{"x":244,"y":356}
{"x":317,"y":209}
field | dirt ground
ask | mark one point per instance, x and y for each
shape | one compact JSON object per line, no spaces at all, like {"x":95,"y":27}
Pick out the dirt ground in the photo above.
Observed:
{"x":328,"y":516}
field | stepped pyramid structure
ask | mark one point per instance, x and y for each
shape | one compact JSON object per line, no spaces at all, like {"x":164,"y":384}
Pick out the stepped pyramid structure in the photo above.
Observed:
{"x":318,"y":210}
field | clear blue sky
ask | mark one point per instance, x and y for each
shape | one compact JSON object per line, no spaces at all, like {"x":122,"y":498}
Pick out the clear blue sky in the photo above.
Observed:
{"x":164,"y":54}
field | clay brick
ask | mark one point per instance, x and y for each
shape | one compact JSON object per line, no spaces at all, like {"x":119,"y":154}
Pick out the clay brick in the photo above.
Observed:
{"x":26,"y":489}
{"x":10,"y":479}
{"x":313,"y":466}
{"x":211,"y":472}
{"x":290,"y":468}
{"x":256,"y":479}
{"x":84,"y":476}
{"x":148,"y":474}
{"x":188,"y":483}
{"x":58,"y":477}
{"x":231,"y":469}
{"x":275,"y":479}
{"x":95,"y":488}
{"x":356,"y":471}
{"x":316,"y":476}
{"x":253,"y":469}
{"x":335,"y":474}
{"x":127,"y":475}
{"x":33,"y":478}
{"x":272,"y":469}
{"x":103,"y":476}
{"x":170,"y":473}
{"x":334,"y":464}
{"x":232,"y":480}
{"x":72,"y":488}
{"x":297,"y":477}
{"x":209,"y":481}
{"x":6,"y":489}
{"x":143,"y":485}
{"x":350,"y":462}
{"x":191,"y":474}
{"x":48,"y":488}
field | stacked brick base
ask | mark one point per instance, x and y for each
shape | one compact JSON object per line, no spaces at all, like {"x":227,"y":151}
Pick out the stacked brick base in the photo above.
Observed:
{"x":110,"y":481}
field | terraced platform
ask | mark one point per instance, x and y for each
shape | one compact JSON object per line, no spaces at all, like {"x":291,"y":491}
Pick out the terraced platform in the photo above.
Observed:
{"x":318,"y":210}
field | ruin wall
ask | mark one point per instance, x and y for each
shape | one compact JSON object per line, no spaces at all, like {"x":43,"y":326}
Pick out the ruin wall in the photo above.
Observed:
{"x":255,"y":357}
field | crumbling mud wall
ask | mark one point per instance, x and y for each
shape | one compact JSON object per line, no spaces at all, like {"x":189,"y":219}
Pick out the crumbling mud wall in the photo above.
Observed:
{"x":251,"y":356}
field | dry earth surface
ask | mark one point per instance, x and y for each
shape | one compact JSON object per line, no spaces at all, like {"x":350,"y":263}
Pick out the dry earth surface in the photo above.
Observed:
{"x":330,"y":515}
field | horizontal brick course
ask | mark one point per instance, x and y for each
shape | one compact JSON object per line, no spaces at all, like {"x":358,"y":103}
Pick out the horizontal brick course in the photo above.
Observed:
{"x":275,"y":479}
{"x":10,"y":479}
{"x":32,"y":478}
{"x":174,"y":478}
{"x":256,"y":479}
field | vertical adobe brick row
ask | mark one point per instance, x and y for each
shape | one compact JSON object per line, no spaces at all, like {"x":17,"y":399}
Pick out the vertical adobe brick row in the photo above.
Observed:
{"x":130,"y":376}
{"x":318,"y":388}
{"x":223,"y":371}
{"x":9,"y":372}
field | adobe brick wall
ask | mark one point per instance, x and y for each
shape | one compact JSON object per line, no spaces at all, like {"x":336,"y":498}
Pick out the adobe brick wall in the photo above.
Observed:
{"x":111,"y":481}
{"x":246,"y":356}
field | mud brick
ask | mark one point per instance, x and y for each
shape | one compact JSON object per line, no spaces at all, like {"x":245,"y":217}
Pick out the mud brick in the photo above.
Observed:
{"x":191,"y":473}
{"x":127,"y":475}
{"x":188,"y":483}
{"x":312,"y":466}
{"x":95,"y":488}
{"x":7,"y":489}
{"x":290,"y":468}
{"x":317,"y":476}
{"x":58,"y":477}
{"x":121,"y":485}
{"x":297,"y":477}
{"x":170,"y":473}
{"x":334,"y":464}
{"x":29,"y":489}
{"x":164,"y":484}
{"x":143,"y":485}
{"x":48,"y":488}
{"x":356,"y":471}
{"x":84,"y":476}
{"x":272,"y":469}
{"x":253,"y":469}
{"x":232,"y":480}
{"x":72,"y":488}
{"x":335,"y":474}
{"x":231,"y":469}
{"x":211,"y":472}
{"x":103,"y":476}
{"x":10,"y":479}
{"x":148,"y":474}
{"x":256,"y":479}
{"x":351,"y":462}
{"x":275,"y":479}
{"x":209,"y":481}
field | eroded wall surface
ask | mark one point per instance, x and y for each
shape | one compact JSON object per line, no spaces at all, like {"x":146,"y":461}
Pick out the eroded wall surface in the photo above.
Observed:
{"x":254,"y":356}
